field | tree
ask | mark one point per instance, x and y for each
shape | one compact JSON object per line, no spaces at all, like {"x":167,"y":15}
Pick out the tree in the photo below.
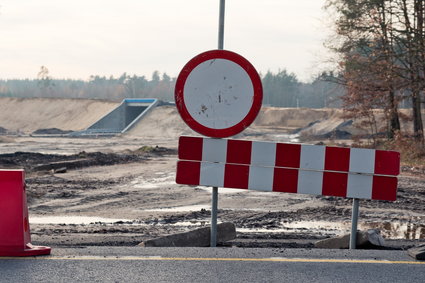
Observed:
{"x":155,"y":77}
{"x":45,"y":81}
{"x":281,"y":89}
{"x":381,"y":56}
{"x":412,"y":40}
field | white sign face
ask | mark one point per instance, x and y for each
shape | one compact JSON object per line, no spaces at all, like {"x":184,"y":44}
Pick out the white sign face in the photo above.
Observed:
{"x":218,"y":93}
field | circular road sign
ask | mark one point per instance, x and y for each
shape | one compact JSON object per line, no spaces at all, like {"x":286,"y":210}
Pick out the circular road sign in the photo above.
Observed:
{"x":218,"y":93}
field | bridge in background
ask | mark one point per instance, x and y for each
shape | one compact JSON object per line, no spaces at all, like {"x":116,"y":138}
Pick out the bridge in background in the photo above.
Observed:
{"x":121,"y":119}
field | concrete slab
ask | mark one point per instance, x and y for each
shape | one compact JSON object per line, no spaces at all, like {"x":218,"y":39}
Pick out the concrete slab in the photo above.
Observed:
{"x":369,"y":239}
{"x":197,"y":238}
{"x":417,"y":252}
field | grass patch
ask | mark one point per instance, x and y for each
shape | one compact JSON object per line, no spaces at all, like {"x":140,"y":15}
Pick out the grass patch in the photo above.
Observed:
{"x":146,"y":149}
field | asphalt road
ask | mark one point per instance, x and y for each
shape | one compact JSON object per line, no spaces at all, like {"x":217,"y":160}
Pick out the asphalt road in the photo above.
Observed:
{"x":138,"y":264}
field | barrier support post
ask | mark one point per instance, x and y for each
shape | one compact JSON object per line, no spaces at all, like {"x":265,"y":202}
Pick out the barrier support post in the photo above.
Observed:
{"x":214,"y":201}
{"x":354,"y":220}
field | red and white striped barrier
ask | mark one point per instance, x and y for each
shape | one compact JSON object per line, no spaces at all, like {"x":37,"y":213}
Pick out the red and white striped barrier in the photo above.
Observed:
{"x":286,"y":167}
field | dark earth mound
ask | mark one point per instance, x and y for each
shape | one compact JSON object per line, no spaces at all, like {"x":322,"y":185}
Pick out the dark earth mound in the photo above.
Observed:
{"x":32,"y":162}
{"x":51,"y":131}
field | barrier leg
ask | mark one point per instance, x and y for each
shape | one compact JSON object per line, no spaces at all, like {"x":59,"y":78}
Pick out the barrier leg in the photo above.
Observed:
{"x":214,"y":201}
{"x":354,"y":220}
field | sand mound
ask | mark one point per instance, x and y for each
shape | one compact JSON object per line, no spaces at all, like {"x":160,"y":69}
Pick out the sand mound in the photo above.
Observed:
{"x":293,"y":117}
{"x":163,"y":121}
{"x":26,"y":115}
{"x":18,"y":115}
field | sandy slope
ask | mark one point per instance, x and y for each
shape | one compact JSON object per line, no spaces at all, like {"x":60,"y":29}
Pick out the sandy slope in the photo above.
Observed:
{"x":162,"y":122}
{"x":293,"y":117}
{"x":26,"y":115}
{"x":165,"y":122}
{"x":19,"y":115}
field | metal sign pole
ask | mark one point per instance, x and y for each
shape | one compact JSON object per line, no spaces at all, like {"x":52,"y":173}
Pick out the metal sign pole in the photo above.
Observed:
{"x":214,"y":201}
{"x":221,"y":25}
{"x":354,"y":220}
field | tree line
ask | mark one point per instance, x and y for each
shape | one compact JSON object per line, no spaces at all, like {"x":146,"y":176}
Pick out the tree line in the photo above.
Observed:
{"x":281,"y":89}
{"x":97,"y":87}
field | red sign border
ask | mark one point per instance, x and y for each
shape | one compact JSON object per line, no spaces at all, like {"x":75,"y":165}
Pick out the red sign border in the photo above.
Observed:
{"x":256,"y":83}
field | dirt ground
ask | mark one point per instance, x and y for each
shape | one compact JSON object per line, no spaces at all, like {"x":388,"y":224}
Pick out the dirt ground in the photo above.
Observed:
{"x":121,"y":190}
{"x":127,"y":194}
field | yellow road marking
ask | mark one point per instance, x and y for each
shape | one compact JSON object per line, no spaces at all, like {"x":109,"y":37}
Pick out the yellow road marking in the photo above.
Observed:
{"x":158,"y":258}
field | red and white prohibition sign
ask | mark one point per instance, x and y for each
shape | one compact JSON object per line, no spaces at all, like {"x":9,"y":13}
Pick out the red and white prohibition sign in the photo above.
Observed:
{"x":218,"y":93}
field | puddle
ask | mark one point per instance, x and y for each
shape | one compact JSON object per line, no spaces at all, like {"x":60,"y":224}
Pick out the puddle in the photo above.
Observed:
{"x":197,"y":207}
{"x":319,"y":227}
{"x":397,"y":230}
{"x":223,"y":191}
{"x":149,"y":185}
{"x":77,"y":220}
{"x":287,"y":137}
{"x":189,"y":223}
{"x":86,"y":220}
{"x":159,"y":182}
{"x":389,"y":230}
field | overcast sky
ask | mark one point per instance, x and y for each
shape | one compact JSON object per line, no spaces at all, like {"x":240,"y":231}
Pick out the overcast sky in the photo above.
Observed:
{"x":78,"y":38}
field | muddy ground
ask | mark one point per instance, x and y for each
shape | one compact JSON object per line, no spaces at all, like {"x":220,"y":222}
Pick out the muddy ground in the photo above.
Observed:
{"x":121,"y":191}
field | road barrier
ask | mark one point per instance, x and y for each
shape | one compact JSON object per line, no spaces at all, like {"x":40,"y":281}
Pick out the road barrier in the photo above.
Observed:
{"x":15,"y":237}
{"x":292,"y":168}
{"x":356,"y":173}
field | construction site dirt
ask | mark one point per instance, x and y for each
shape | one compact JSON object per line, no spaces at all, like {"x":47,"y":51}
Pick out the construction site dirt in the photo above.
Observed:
{"x":126,"y":194}
{"x":121,"y":190}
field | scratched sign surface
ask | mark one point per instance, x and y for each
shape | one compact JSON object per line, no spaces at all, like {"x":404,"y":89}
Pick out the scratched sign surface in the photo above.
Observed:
{"x":218,"y":93}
